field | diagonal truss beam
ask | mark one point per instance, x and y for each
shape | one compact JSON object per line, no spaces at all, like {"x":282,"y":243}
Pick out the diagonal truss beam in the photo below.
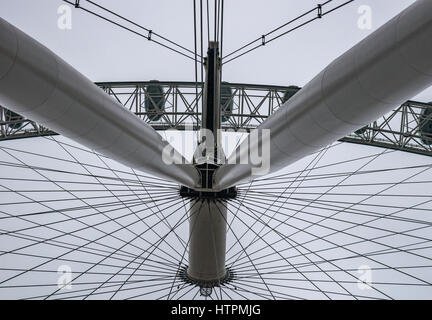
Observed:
{"x":59,"y":97}
{"x":384,"y":70}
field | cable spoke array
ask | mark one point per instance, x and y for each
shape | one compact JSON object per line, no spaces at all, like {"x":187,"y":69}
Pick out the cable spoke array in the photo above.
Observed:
{"x":313,"y":230}
{"x":348,"y":222}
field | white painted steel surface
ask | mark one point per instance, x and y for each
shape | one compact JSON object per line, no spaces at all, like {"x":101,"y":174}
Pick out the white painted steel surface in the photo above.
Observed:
{"x":207,"y":229}
{"x":36,"y":83}
{"x":391,"y":65}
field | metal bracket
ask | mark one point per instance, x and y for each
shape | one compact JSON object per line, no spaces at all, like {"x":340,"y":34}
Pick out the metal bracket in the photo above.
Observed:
{"x":206,"y":171}
{"x":227,"y":194}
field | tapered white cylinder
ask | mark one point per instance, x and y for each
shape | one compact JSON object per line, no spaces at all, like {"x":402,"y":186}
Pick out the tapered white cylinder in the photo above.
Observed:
{"x":384,"y":70}
{"x":37,"y":84}
{"x":207,"y":244}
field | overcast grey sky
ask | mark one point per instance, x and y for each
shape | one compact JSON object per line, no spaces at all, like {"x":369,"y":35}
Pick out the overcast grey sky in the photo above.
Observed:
{"x":104,"y":52}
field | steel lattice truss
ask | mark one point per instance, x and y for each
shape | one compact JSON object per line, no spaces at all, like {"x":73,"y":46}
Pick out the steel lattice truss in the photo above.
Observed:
{"x":251,"y":105}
